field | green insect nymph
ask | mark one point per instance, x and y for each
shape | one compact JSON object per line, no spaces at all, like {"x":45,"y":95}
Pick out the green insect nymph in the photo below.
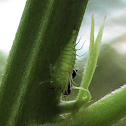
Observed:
{"x":63,"y":68}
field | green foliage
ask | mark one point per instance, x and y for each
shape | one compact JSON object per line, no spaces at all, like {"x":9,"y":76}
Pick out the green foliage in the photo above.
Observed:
{"x":25,"y":99}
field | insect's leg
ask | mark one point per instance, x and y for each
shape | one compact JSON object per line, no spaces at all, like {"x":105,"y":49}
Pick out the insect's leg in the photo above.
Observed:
{"x":80,"y":49}
{"x":78,"y":41}
{"x":64,"y":90}
{"x":81,"y":46}
{"x":75,"y":70}
{"x":82,"y":61}
{"x":74,"y":83}
{"x":77,"y":66}
{"x":81,"y":55}
{"x":78,"y":74}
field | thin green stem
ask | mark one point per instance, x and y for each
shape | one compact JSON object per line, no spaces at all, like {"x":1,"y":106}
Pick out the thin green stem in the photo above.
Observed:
{"x":74,"y":106}
{"x":92,"y":59}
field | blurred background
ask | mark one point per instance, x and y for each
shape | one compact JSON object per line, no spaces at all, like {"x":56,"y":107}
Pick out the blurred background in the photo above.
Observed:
{"x":110,"y":73}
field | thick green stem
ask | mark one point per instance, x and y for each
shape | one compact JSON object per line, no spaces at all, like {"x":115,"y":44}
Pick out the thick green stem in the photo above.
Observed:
{"x":105,"y":112}
{"x":45,"y":27}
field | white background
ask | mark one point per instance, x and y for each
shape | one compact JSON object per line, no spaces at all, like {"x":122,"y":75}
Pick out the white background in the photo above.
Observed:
{"x":11,"y":11}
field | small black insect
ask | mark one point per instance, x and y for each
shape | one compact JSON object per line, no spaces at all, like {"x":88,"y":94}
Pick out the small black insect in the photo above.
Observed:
{"x":68,"y":90}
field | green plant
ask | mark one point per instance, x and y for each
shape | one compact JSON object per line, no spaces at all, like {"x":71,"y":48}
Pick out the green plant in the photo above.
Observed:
{"x":45,"y":29}
{"x":71,"y":106}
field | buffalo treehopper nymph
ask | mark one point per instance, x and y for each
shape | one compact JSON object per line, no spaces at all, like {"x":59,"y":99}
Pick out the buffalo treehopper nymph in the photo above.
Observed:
{"x":64,"y":67}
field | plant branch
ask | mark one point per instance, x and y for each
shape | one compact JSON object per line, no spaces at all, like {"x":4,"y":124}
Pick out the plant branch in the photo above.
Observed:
{"x":105,"y":112}
{"x":92,"y":59}
{"x":45,"y":27}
